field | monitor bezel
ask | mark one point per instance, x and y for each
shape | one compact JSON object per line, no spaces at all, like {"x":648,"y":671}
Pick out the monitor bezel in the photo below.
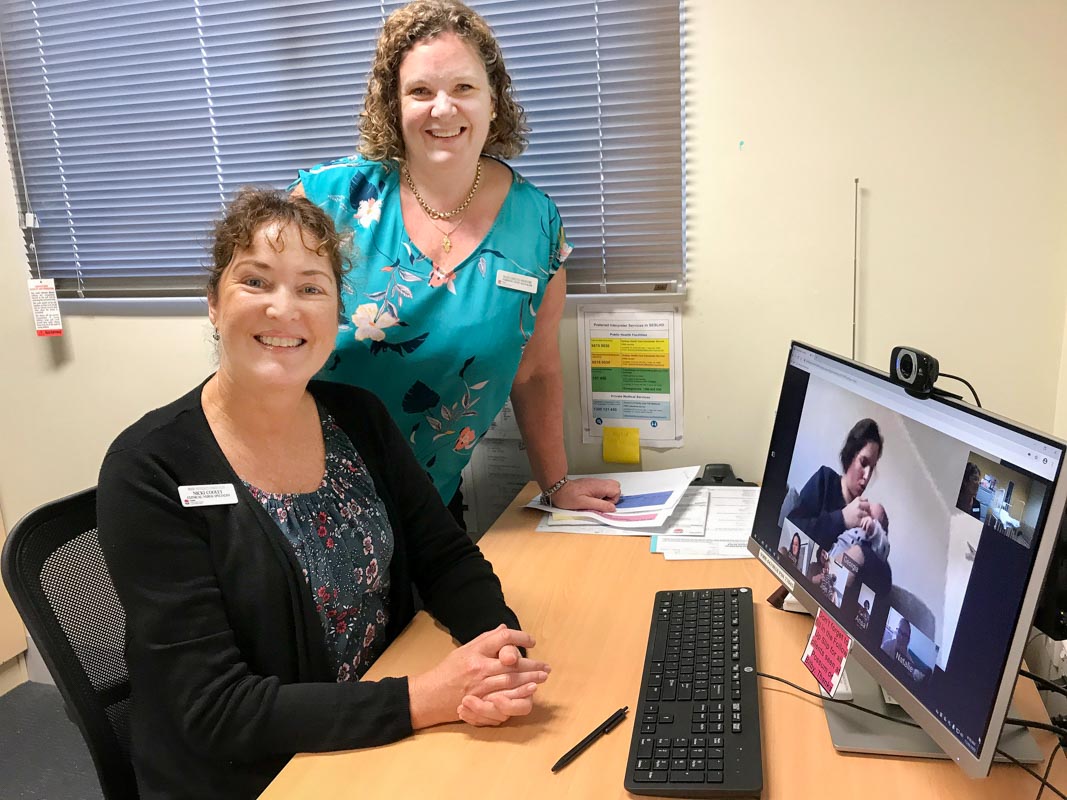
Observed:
{"x":972,"y":765}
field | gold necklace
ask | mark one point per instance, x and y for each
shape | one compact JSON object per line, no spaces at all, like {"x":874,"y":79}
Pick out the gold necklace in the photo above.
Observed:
{"x":446,"y":241}
{"x":432,"y":212}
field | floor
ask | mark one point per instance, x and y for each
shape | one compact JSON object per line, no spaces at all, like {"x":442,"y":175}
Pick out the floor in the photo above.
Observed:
{"x":42,"y":754}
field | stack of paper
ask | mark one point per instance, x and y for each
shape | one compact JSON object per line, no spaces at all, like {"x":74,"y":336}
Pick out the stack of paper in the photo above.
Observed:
{"x":685,"y":522}
{"x":648,"y":501}
{"x":731,"y":511}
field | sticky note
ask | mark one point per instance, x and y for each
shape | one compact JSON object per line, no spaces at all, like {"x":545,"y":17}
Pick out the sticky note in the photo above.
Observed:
{"x":622,"y":445}
{"x":828,"y":647}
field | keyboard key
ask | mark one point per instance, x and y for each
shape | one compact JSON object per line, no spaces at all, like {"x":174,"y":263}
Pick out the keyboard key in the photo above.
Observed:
{"x":654,"y":776}
{"x":666,"y":719}
{"x":644,"y":747}
{"x":662,"y":752}
{"x":661,"y":763}
{"x":648,"y":727}
{"x":714,"y":776}
{"x":643,"y":764}
{"x":685,"y":776}
{"x":678,"y":763}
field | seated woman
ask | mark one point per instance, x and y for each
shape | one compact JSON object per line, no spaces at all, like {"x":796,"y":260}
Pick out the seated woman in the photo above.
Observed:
{"x":265,"y":533}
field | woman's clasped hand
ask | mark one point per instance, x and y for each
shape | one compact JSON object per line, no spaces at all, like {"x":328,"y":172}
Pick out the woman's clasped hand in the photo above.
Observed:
{"x":485,"y":682}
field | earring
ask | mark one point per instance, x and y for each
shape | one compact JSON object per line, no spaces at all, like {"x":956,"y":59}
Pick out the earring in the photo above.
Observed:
{"x":492,"y":116}
{"x":215,"y":335}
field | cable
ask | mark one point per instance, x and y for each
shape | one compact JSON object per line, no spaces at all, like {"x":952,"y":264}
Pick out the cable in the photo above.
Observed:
{"x":1043,"y":780}
{"x":835,"y":700}
{"x":1048,"y":769}
{"x":1029,"y":723}
{"x":1044,"y":682}
{"x":966,"y":383}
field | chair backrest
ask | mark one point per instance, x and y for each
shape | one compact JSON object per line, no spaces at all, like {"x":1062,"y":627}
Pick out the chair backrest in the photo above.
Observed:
{"x":55,"y":572}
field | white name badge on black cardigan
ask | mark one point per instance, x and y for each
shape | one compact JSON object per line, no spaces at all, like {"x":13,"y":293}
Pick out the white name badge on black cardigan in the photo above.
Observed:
{"x":208,"y":494}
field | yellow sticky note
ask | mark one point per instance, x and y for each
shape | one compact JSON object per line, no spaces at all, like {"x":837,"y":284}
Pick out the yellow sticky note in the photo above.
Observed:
{"x":622,"y":445}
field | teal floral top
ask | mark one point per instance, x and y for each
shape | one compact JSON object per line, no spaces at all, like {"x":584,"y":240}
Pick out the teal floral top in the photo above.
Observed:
{"x":440,"y":349}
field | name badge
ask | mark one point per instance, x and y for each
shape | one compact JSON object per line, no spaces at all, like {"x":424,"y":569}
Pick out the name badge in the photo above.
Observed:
{"x":512,"y":280}
{"x":208,"y":494}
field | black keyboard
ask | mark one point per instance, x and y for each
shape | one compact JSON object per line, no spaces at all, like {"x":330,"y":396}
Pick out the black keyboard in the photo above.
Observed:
{"x":697,"y":731}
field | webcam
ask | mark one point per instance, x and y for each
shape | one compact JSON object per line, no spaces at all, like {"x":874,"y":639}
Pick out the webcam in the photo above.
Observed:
{"x":913,"y":369}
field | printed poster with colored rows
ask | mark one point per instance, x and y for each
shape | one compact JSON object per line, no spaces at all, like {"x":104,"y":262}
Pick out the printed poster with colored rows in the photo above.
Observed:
{"x":631,"y":372}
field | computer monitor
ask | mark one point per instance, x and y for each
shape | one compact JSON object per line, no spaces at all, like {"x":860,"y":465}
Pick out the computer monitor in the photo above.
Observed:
{"x":907,"y":539}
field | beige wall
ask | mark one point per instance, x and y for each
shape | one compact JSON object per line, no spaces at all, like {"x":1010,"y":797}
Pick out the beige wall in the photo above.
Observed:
{"x":952,"y":115}
{"x":1060,"y":427}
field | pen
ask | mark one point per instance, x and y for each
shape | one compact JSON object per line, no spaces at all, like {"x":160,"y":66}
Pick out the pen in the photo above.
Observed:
{"x":599,"y":731}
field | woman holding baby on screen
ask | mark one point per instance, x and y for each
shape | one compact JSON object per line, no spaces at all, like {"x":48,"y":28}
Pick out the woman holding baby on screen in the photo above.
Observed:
{"x":834,"y":511}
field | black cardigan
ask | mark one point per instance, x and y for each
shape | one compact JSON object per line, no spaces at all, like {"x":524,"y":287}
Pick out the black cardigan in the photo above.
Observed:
{"x":227,"y":657}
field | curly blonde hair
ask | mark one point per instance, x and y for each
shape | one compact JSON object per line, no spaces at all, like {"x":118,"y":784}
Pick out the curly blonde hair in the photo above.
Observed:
{"x":380,"y":135}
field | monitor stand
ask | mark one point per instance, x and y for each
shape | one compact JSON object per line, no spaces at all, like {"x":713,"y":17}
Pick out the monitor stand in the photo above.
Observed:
{"x":857,"y":732}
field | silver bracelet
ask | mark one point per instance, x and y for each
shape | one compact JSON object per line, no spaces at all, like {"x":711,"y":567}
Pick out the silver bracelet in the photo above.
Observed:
{"x":546,"y":495}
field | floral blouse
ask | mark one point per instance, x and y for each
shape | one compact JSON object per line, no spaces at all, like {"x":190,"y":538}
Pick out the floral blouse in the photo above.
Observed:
{"x":440,"y":349}
{"x":343,"y":541}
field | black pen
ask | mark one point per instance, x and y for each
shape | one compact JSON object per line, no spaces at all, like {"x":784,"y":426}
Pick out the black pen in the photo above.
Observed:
{"x":599,"y":731}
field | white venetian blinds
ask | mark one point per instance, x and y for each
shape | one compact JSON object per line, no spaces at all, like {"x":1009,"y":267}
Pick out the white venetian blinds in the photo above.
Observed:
{"x":129,"y":122}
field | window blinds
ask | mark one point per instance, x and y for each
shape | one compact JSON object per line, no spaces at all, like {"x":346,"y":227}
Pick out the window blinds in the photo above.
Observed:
{"x":130,"y":121}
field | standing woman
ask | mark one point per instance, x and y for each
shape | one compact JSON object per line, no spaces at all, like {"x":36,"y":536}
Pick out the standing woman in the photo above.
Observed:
{"x":458,"y":289}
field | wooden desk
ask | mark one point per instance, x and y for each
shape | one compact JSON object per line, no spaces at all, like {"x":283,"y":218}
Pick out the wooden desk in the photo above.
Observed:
{"x":588,"y":601}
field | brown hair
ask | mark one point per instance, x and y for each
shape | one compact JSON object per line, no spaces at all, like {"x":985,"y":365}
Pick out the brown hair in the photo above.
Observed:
{"x":253,"y":207}
{"x":863,"y":433}
{"x":380,"y":135}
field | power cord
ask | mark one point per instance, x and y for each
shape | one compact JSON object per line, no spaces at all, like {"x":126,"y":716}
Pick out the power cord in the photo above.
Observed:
{"x":1042,"y":779}
{"x":966,"y":383}
{"x":1044,"y":683}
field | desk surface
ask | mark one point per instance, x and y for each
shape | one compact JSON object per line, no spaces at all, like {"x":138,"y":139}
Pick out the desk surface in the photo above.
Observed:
{"x":588,"y":601}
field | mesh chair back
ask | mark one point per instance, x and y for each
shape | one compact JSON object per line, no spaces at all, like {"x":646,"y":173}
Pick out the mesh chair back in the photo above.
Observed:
{"x":55,"y":572}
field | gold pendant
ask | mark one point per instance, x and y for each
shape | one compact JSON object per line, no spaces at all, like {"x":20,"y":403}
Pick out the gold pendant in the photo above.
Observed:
{"x":446,"y":243}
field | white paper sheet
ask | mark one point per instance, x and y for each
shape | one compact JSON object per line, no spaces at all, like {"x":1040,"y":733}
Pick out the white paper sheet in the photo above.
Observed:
{"x":731,"y":513}
{"x":653,"y":497}
{"x":687,"y":520}
{"x":630,"y":370}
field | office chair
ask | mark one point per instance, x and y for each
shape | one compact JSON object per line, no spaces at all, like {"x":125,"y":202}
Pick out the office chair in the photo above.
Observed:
{"x":55,"y":572}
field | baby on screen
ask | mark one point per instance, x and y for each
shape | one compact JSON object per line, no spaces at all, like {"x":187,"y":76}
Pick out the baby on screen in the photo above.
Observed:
{"x":872,"y":531}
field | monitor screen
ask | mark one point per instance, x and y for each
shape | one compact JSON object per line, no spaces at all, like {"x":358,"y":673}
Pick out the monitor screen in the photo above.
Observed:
{"x":920,"y":526}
